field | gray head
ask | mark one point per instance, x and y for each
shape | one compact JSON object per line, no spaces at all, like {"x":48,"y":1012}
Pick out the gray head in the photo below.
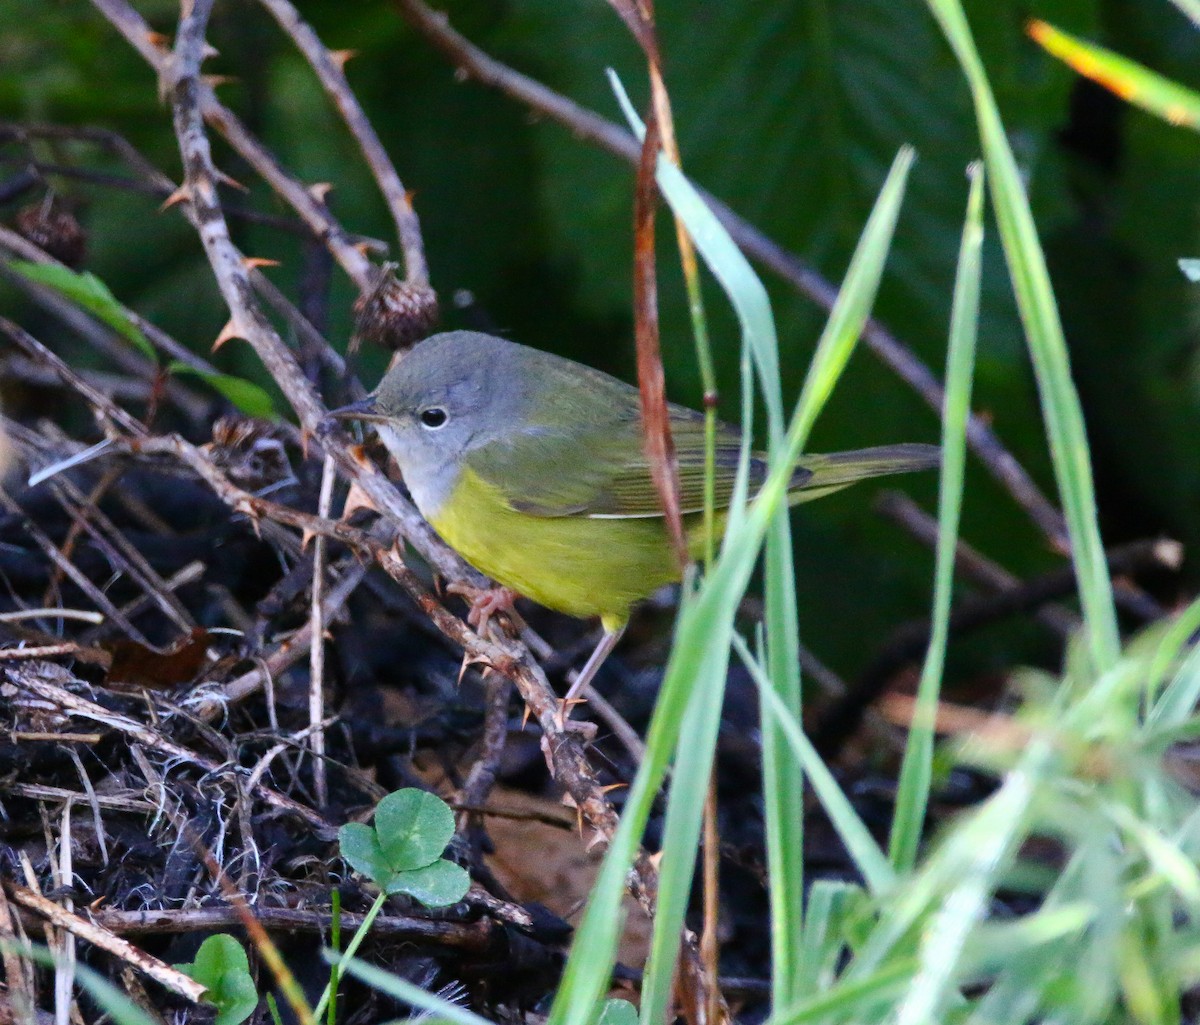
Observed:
{"x":451,"y":393}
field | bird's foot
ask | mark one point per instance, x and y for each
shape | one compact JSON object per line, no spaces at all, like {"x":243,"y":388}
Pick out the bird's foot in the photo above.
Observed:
{"x":486,"y":604}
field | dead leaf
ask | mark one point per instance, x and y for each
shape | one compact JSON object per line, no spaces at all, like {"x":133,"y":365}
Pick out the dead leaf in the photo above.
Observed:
{"x":134,"y":665}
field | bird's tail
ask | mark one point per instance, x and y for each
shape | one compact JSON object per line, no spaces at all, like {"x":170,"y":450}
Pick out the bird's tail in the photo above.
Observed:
{"x":819,"y":475}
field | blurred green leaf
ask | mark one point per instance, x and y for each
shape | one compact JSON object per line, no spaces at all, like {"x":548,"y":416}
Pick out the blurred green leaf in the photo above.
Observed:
{"x":618,"y":1012}
{"x":89,"y":292}
{"x":221,"y":966}
{"x":1129,"y":80}
{"x":1190,"y":268}
{"x":245,"y":395}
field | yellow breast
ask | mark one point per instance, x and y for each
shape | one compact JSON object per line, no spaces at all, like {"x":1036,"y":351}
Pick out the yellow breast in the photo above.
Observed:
{"x":579,"y":565}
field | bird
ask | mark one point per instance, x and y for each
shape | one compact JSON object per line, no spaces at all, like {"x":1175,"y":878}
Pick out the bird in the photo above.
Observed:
{"x":533,"y":468}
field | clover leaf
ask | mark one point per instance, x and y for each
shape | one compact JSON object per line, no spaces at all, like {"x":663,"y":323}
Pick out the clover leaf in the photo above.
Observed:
{"x":402,"y":851}
{"x":222,"y":968}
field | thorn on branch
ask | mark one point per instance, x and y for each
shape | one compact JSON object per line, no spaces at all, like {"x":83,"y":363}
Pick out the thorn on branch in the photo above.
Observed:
{"x":232,"y":329}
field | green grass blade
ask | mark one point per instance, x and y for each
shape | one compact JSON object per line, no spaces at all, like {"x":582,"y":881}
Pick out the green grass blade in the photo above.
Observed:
{"x":1047,"y":345}
{"x":867,"y":999}
{"x":704,"y":630}
{"x":866,"y":854}
{"x":829,"y":904}
{"x":113,"y":1001}
{"x":916,"y":773}
{"x":720,"y":253}
{"x":1119,"y":75}
{"x":1190,"y":9}
{"x":971,"y":857}
{"x":1178,"y":699}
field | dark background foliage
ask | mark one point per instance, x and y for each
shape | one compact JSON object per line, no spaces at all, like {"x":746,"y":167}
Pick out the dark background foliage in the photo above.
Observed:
{"x":790,"y":110}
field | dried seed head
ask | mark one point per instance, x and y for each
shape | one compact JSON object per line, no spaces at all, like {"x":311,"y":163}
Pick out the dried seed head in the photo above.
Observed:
{"x":395,"y":314}
{"x":251,"y":454}
{"x":49,"y":225}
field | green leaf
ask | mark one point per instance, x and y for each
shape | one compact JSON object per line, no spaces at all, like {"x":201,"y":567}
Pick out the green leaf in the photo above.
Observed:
{"x":360,"y":847}
{"x":1191,"y":268}
{"x":247,"y":396}
{"x":618,"y":1012}
{"x":1119,"y":75}
{"x":88,"y":291}
{"x":435,"y":886}
{"x":221,"y":966}
{"x":414,"y":827}
{"x":401,"y":853}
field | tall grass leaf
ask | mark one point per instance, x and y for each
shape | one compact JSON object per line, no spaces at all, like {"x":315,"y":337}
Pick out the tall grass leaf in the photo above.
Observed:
{"x":737,"y":278}
{"x":1047,"y":344}
{"x":981,"y":852}
{"x":753,"y":309}
{"x":970,"y":859}
{"x":916,"y":773}
{"x":829,"y":903}
{"x":783,"y":782}
{"x":995,"y":945}
{"x":704,"y":628}
{"x":866,"y":999}
{"x":866,"y":854}
{"x":1190,"y":9}
{"x":699,"y":658}
{"x":1171,"y":864}
{"x":1178,"y":699}
{"x":108,"y":997}
{"x":1121,"y":76}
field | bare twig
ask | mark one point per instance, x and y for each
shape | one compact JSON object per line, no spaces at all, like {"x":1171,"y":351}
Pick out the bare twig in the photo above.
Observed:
{"x":472,"y":936}
{"x":511,"y":659}
{"x":105,"y":939}
{"x":149,"y":180}
{"x":567,"y":757}
{"x":329,"y":70}
{"x":205,"y":103}
{"x":77,"y":577}
{"x":316,"y":681}
{"x":482,"y":777}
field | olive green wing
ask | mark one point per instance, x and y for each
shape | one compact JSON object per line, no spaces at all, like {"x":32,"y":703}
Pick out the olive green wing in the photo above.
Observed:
{"x":596,"y":465}
{"x":592,"y":461}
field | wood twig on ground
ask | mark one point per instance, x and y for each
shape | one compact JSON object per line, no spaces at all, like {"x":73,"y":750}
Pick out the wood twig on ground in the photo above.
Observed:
{"x":100,"y":936}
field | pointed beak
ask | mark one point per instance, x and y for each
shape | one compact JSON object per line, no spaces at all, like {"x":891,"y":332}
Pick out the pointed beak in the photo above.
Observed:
{"x":363,"y":409}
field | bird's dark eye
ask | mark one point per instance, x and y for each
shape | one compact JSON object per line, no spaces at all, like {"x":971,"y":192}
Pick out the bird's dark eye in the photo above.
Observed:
{"x":433,"y":417}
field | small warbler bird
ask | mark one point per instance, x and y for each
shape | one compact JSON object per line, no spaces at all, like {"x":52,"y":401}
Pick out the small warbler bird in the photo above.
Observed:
{"x":533,"y":468}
